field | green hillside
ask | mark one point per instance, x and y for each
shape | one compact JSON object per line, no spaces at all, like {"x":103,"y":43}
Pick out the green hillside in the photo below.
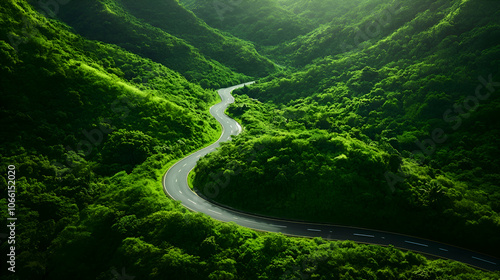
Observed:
{"x":98,"y":100}
{"x":264,"y":22}
{"x":404,"y":125}
{"x":171,"y":17}
{"x":322,"y":11}
{"x":361,"y":26}
{"x":194,"y":51}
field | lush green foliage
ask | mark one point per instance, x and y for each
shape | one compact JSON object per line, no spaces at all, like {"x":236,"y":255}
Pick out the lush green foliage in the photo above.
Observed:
{"x":264,"y":22}
{"x":92,"y":127}
{"x":410,"y":96}
{"x":323,"y":11}
{"x":171,"y":17}
{"x":278,"y":168}
{"x":195,"y":51}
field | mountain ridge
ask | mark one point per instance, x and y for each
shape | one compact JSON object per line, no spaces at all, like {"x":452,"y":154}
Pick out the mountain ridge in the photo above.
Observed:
{"x":91,"y":126}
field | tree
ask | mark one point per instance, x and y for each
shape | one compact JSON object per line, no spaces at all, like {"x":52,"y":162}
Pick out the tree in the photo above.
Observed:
{"x":128,"y":148}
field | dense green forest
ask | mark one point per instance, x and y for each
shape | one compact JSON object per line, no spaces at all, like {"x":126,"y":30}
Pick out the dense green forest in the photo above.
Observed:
{"x":405,"y":127}
{"x":200,"y":53}
{"x":264,"y":22}
{"x":99,"y":98}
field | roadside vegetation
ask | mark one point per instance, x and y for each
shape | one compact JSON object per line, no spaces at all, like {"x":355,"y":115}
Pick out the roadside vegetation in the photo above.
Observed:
{"x":98,"y":98}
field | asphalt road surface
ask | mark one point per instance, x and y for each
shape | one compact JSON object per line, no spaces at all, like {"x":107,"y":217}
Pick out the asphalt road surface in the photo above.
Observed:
{"x":175,"y":185}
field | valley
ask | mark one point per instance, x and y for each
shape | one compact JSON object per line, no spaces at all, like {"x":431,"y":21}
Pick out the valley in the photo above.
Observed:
{"x":366,"y":117}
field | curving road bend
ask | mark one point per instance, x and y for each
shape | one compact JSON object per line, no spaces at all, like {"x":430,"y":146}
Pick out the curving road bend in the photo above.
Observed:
{"x":175,"y":185}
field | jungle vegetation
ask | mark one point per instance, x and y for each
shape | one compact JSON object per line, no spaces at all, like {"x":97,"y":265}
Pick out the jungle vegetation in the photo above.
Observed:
{"x":98,"y":98}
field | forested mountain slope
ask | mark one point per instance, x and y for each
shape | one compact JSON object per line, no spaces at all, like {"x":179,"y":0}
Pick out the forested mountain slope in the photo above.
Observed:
{"x":403,"y":128}
{"x":51,"y":75}
{"x":363,"y":25}
{"x":264,"y":22}
{"x":196,"y":51}
{"x":91,"y":128}
{"x":296,"y":32}
{"x":321,"y":11}
{"x":171,"y":17}
{"x":73,"y":112}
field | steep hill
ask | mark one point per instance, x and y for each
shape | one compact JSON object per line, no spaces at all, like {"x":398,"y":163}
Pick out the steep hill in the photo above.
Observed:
{"x":171,"y":17}
{"x":73,"y":112}
{"x":321,"y":11}
{"x":264,"y":22}
{"x":357,"y":27}
{"x":90,"y":127}
{"x":196,"y":52}
{"x":421,"y":99}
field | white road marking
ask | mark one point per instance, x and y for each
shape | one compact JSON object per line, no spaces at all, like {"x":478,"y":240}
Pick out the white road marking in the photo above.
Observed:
{"x":184,"y":165}
{"x":192,"y":201}
{"x":235,"y":218}
{"x":312,"y":229}
{"x":214,"y":211}
{"x":198,"y":156}
{"x":364,"y":235}
{"x":179,"y":170}
{"x":249,"y":221}
{"x":483,"y":260}
{"x":443,"y":249}
{"x":279,"y":226}
{"x":419,"y":244}
{"x":180,"y":192}
{"x":176,"y":180}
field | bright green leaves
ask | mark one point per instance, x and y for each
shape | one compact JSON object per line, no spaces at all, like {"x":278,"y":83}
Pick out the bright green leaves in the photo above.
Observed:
{"x":127,"y":148}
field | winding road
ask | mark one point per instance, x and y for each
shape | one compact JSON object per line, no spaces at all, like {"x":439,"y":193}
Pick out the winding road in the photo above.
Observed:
{"x":176,"y":186}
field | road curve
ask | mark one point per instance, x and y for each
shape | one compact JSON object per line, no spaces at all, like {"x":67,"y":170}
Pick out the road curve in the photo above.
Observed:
{"x":175,"y":185}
